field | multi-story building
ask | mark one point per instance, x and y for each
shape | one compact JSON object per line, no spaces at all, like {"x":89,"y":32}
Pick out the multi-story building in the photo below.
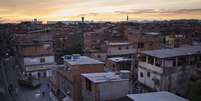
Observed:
{"x":106,"y":86}
{"x":145,"y":40}
{"x":115,"y":49}
{"x":68,"y":79}
{"x":105,"y":42}
{"x":165,"y":69}
{"x":175,"y":40}
{"x":37,"y":54}
{"x":118,"y":63}
{"x":94,"y":39}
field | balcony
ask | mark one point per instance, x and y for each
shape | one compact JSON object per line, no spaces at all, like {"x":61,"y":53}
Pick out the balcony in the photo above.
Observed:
{"x":151,"y":67}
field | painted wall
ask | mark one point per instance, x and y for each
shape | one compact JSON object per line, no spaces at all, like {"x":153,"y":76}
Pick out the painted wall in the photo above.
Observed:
{"x":37,"y":60}
{"x":113,"y":90}
{"x":114,"y":50}
{"x":146,"y":80}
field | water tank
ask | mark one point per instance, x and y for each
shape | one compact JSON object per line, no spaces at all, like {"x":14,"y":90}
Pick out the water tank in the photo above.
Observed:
{"x":67,"y":57}
{"x":75,"y":56}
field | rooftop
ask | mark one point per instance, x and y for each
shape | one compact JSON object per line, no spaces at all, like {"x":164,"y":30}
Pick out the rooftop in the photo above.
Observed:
{"x":82,"y":60}
{"x":156,"y":96}
{"x":104,"y":77}
{"x":118,"y":43}
{"x":118,"y":59}
{"x":151,"y":33}
{"x":167,"y":53}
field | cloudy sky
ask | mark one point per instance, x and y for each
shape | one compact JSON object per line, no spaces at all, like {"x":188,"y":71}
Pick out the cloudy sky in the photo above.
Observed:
{"x":98,"y":10}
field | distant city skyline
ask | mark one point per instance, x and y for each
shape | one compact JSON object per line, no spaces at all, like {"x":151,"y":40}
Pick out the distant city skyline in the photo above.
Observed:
{"x":98,"y":10}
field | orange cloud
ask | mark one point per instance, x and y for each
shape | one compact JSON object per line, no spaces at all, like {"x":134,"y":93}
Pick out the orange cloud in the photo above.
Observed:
{"x":109,"y":10}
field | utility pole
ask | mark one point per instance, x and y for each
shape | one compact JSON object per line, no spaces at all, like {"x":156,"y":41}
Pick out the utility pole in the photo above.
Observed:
{"x":134,"y":65}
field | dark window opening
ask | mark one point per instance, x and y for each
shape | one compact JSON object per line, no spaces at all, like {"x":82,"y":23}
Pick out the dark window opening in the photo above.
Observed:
{"x":143,"y":58}
{"x":148,"y":74}
{"x":140,"y":45}
{"x":42,"y":60}
{"x":151,"y":60}
{"x":88,"y":85}
{"x":127,"y":47}
{"x":151,"y":44}
{"x":141,"y":74}
{"x":119,"y":48}
{"x":98,"y":56}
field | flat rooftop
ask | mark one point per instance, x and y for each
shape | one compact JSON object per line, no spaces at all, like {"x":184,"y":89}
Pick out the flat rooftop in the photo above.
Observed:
{"x":118,"y":43}
{"x":156,"y":96}
{"x":152,"y":33}
{"x":118,"y":59}
{"x":83,"y":60}
{"x":103,"y":77}
{"x":174,"y":52}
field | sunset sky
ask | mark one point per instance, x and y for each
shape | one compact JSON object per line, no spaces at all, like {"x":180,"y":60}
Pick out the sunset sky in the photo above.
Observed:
{"x":98,"y":10}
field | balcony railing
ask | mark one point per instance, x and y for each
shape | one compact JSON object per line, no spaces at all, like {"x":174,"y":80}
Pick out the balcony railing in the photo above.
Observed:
{"x":151,"y":67}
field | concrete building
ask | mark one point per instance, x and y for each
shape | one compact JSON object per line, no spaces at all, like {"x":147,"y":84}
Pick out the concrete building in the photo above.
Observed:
{"x":68,"y":79}
{"x":145,"y":40}
{"x":106,"y":41}
{"x":154,"y":96}
{"x":118,"y":63}
{"x":39,"y":60}
{"x":37,"y":54}
{"x":120,"y":49}
{"x":106,"y":86}
{"x":174,"y":40}
{"x":165,"y":69}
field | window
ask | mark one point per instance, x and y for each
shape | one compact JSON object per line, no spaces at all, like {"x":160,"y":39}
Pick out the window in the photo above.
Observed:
{"x":42,"y":60}
{"x":158,"y":62}
{"x":143,"y":58}
{"x":140,"y":45}
{"x":88,"y":85}
{"x":148,"y":74}
{"x":119,"y":48}
{"x":151,"y":60}
{"x":141,"y":74}
{"x":151,"y":44}
{"x":98,"y":56}
{"x":127,"y":47}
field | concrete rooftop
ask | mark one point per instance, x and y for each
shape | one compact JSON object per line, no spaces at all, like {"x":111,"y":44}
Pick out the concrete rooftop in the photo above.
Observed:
{"x":103,"y":77}
{"x":83,"y":60}
{"x":156,"y":96}
{"x":167,"y":53}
